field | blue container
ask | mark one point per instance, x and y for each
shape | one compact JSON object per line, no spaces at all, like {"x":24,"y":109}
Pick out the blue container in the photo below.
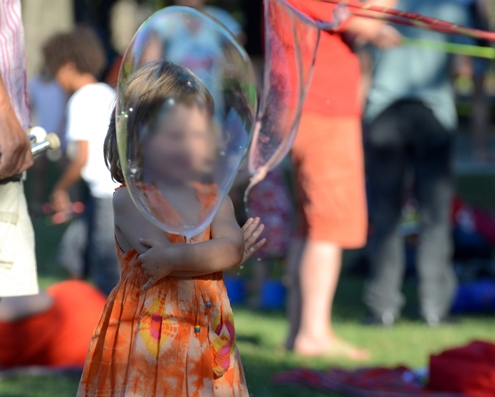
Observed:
{"x":235,"y":289}
{"x":272,"y":295}
{"x":476,"y":297}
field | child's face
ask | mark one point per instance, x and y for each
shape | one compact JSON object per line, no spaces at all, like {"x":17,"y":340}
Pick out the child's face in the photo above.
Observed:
{"x":183,"y":147}
{"x":65,"y":76}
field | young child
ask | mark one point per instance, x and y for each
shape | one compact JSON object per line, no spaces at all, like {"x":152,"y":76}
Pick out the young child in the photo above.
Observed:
{"x":167,"y":328}
{"x":76,"y":59}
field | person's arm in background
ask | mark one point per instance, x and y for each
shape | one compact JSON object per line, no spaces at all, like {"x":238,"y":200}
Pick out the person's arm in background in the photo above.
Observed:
{"x":60,"y":196}
{"x":15,"y":149}
{"x":372,"y":31}
{"x":366,"y":61}
{"x":357,"y":30}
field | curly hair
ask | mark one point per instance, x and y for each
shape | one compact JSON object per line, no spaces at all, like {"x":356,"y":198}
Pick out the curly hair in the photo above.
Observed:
{"x":80,"y":46}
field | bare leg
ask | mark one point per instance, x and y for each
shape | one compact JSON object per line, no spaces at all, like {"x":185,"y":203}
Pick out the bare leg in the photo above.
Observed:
{"x":19,"y":307}
{"x":318,"y":277}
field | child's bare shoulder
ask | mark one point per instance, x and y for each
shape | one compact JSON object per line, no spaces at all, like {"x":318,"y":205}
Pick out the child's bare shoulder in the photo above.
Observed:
{"x":122,"y":201}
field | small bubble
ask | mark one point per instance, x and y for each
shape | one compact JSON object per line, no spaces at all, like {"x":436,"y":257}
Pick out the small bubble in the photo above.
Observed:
{"x":259,"y":259}
{"x":222,"y":153}
{"x":242,"y":267}
{"x":131,"y":109}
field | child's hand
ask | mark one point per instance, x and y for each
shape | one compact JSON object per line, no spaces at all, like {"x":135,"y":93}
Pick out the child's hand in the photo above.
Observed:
{"x":155,"y":261}
{"x":251,"y":230}
{"x":60,"y":200}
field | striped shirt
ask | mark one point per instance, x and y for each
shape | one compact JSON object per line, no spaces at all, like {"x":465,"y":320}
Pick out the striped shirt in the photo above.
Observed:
{"x":12,"y":58}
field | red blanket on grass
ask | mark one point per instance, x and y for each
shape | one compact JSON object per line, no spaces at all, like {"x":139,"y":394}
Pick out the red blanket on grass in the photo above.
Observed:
{"x":469,"y":369}
{"x":363,"y":382}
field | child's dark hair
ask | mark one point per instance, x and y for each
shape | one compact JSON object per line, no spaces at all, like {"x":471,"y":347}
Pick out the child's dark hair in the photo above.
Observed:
{"x":80,"y":46}
{"x":145,"y":93}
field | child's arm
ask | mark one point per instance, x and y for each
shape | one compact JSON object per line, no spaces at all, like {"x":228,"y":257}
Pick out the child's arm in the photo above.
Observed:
{"x":162,"y":257}
{"x":60,"y":196}
{"x":224,"y":251}
{"x":131,"y":225}
{"x":251,"y":231}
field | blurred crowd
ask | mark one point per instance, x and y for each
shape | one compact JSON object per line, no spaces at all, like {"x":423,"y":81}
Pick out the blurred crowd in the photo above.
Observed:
{"x":374,"y":151}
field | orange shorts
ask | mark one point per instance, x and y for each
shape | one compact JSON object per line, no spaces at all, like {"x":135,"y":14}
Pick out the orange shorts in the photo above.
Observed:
{"x":328,"y":158}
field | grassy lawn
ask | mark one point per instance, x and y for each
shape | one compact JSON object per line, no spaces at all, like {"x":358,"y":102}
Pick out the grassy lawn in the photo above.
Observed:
{"x":261,"y":335}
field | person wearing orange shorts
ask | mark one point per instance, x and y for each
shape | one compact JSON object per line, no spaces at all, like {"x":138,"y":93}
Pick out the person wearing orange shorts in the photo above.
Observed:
{"x":328,"y":158}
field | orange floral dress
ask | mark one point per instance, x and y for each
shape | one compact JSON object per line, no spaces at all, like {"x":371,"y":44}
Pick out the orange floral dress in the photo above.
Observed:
{"x":175,"y":339}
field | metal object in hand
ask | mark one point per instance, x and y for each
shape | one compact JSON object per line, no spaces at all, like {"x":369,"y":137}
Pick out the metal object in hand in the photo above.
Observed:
{"x":46,"y":141}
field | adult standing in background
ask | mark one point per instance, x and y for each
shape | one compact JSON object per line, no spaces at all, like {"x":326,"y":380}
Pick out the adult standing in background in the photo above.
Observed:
{"x":76,"y":58}
{"x":328,"y":158}
{"x":410,"y":118}
{"x":17,"y":256}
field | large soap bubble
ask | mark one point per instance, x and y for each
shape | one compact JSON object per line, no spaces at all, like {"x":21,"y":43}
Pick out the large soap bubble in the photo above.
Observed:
{"x":291,"y":43}
{"x":185,"y":113}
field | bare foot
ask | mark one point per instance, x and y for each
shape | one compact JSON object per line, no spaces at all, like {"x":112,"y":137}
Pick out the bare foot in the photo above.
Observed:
{"x":330,"y":347}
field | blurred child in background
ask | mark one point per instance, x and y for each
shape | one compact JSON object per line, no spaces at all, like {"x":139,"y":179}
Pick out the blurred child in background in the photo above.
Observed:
{"x":76,"y":59}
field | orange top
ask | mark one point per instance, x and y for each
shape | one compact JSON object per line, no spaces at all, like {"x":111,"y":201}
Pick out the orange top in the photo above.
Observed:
{"x":176,"y":338}
{"x":206,"y":194}
{"x":334,"y":89}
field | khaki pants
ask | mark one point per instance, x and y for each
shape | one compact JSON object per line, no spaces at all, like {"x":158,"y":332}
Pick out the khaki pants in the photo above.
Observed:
{"x":17,"y":255}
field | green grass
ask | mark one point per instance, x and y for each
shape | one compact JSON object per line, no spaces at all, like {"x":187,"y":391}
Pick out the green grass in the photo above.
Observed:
{"x":261,"y":335}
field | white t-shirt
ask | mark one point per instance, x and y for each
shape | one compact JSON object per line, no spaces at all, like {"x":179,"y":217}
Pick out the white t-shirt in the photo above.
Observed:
{"x":88,"y":117}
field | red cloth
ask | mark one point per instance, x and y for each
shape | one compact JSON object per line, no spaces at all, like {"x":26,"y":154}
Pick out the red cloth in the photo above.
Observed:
{"x":469,"y":369}
{"x":335,"y":86}
{"x":362,"y":382}
{"x":58,"y":337}
{"x":270,"y":201}
{"x":482,"y":221}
